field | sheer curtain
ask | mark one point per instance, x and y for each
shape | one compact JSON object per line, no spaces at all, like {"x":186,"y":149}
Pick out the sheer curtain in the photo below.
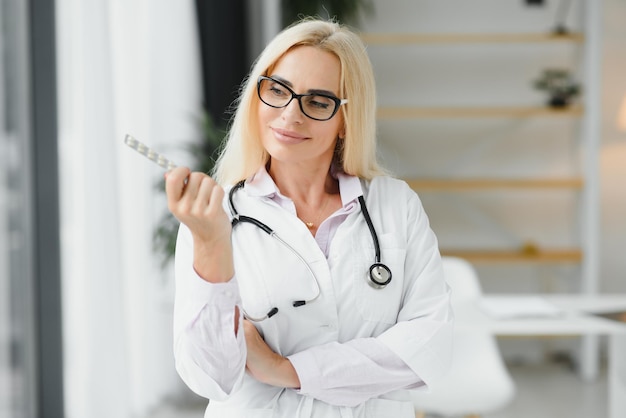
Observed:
{"x":124,"y":66}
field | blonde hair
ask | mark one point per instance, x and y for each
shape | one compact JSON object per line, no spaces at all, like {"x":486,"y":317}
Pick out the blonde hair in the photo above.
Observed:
{"x":243,"y":154}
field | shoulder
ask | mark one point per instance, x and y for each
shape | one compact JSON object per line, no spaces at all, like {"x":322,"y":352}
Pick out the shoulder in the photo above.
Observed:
{"x":394,"y":197}
{"x":387,"y":181}
{"x":390,"y":188}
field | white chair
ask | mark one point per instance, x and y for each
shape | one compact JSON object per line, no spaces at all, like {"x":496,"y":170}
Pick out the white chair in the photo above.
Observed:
{"x":478,"y":381}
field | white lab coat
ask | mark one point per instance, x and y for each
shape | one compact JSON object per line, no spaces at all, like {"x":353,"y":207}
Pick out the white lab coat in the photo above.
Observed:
{"x":411,"y":316}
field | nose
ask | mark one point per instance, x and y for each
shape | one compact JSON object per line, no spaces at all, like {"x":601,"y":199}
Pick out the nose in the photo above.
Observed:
{"x":292,"y":112}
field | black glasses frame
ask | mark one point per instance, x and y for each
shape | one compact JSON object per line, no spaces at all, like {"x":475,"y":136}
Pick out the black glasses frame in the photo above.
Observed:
{"x":338,"y":102}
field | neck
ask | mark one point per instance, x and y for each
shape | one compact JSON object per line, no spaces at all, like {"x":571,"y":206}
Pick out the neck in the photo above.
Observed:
{"x":308,"y":185}
{"x":314,"y":192}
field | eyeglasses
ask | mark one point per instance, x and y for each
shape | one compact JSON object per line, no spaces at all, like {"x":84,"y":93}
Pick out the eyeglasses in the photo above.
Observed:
{"x":317,"y":106}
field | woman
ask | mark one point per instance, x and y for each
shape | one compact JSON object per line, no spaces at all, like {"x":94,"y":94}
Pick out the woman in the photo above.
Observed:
{"x":294,"y":314}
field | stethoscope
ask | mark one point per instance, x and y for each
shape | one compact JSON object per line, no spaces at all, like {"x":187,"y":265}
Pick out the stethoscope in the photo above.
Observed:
{"x":379,"y":275}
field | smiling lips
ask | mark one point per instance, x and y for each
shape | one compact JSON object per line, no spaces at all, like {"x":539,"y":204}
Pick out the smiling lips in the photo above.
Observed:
{"x":289,"y":137}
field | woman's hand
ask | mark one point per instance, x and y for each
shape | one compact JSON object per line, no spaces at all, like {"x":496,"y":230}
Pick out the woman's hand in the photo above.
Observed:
{"x":264,"y":364}
{"x":195,"y":199}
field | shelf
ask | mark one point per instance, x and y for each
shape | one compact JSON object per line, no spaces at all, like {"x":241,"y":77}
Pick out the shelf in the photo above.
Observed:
{"x":477,"y":112}
{"x":567,"y":256}
{"x":460,"y":38}
{"x":487,"y":184}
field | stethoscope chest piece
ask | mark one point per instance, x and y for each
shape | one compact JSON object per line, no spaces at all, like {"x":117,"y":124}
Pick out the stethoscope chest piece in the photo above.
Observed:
{"x":379,"y":276}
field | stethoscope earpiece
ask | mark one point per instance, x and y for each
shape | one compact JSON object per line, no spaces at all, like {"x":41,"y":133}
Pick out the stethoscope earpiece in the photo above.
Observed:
{"x":379,"y":275}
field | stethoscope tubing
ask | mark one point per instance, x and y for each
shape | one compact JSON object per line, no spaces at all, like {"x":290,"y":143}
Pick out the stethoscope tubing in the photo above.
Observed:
{"x":379,"y":274}
{"x":370,"y":226}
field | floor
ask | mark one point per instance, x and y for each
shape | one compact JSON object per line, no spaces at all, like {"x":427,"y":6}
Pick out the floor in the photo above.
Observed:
{"x":551,"y":391}
{"x":555,"y":391}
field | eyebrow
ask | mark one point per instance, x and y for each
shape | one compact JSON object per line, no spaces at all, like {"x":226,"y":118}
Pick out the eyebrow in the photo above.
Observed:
{"x":310,"y":91}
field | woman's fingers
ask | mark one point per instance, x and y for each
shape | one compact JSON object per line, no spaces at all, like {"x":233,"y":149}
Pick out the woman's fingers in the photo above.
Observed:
{"x":195,"y":199}
{"x":190,"y":193}
{"x":208,"y":195}
{"x":215,"y":202}
{"x":264,"y":364}
{"x":175,"y":184}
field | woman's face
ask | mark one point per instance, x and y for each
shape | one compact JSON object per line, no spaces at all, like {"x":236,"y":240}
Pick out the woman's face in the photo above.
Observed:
{"x":288,"y":135}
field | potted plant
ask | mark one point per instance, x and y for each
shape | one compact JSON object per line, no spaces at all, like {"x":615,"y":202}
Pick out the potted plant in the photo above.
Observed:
{"x":560,"y":86}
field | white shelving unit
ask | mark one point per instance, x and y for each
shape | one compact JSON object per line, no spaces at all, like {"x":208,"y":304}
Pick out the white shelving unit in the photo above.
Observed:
{"x":584,"y":183}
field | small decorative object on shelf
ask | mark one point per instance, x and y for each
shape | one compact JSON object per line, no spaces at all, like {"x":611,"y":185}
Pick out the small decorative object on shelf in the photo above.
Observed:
{"x":560,"y":85}
{"x":560,"y":27}
{"x":530,"y":248}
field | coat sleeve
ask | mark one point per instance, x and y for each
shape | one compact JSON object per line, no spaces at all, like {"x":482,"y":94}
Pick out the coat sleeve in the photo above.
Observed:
{"x":209,"y":357}
{"x":350,"y":373}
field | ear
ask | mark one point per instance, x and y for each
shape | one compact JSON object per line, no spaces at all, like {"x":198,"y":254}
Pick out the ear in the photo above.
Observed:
{"x":342,"y":133}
